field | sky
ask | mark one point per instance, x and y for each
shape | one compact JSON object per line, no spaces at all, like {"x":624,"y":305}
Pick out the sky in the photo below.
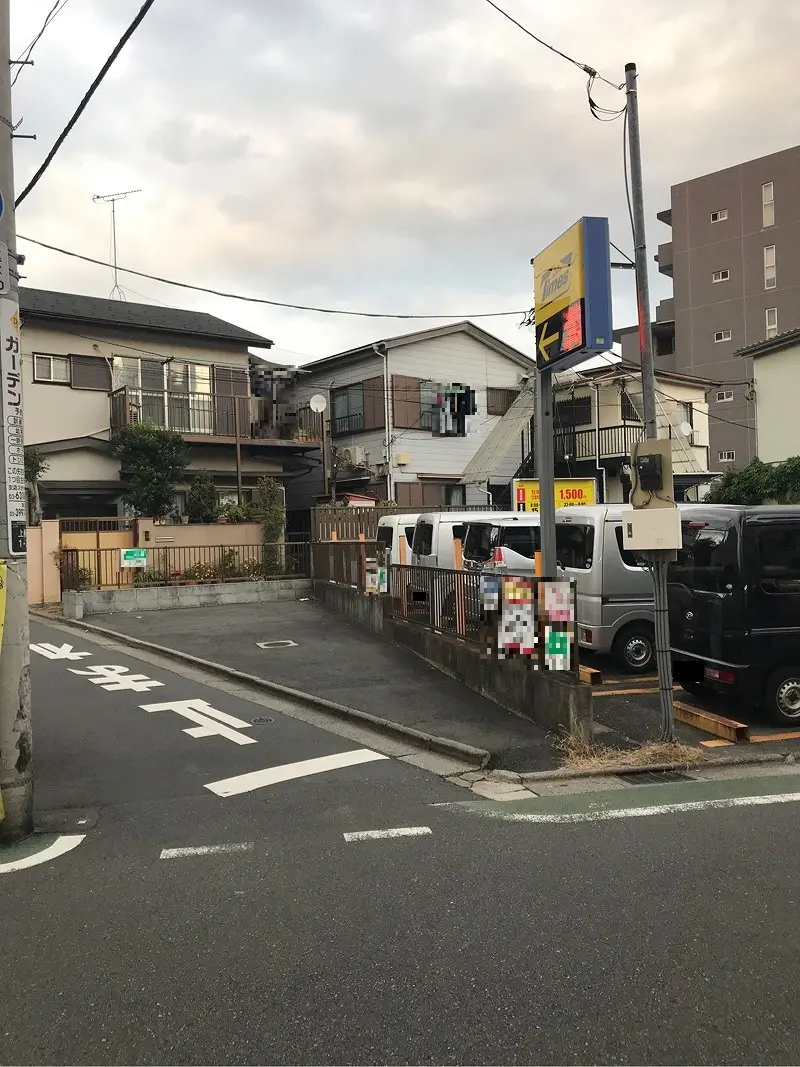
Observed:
{"x":403,"y":156}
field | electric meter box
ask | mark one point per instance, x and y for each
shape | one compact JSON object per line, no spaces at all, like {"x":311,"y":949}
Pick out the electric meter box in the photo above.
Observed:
{"x":656,"y":530}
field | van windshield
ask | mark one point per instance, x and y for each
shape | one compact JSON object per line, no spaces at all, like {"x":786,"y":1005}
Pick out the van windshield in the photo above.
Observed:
{"x":385,"y":536}
{"x":708,"y":558}
{"x":422,"y":544}
{"x":480,"y":540}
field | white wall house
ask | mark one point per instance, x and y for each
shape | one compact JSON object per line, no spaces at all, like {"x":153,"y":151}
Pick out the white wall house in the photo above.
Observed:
{"x":775,"y":364}
{"x":382,"y":407}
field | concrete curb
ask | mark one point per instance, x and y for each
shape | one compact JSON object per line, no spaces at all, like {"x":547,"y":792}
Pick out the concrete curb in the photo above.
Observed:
{"x":443,"y":745}
{"x":621,"y":768}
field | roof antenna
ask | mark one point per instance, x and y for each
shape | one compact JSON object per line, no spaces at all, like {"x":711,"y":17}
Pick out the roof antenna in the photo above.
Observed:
{"x":112,"y":198}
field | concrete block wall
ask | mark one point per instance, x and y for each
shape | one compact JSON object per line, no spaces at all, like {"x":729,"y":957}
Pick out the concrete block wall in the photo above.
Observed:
{"x":75,"y":605}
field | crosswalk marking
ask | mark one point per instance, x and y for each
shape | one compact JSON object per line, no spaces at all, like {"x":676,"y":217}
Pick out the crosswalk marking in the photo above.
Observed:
{"x":245,"y":783}
{"x":205,"y":850}
{"x":376,"y":835}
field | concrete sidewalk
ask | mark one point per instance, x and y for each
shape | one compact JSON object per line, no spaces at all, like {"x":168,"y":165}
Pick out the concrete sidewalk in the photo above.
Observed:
{"x":338,"y":660}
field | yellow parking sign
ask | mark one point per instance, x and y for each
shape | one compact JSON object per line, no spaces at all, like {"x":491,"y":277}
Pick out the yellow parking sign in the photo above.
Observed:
{"x":569,"y":492}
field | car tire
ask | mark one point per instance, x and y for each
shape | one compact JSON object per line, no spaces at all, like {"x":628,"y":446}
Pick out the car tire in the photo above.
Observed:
{"x":634,"y":648}
{"x":689,"y":678}
{"x":782,"y":696}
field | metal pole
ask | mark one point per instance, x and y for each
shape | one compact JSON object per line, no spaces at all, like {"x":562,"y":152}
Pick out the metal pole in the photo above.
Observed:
{"x":640,"y":253}
{"x":16,"y":768}
{"x":237,"y":430}
{"x":658,"y":560}
{"x":544,"y":471}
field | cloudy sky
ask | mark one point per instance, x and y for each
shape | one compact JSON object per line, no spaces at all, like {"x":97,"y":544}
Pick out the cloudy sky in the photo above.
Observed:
{"x":381,"y":155}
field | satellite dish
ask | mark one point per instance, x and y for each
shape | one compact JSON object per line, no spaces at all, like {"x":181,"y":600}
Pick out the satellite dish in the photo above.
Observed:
{"x":686,"y":429}
{"x":318,"y":402}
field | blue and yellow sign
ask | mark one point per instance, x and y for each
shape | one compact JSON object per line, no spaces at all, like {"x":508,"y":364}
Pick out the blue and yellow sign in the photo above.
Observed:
{"x":572,"y":296}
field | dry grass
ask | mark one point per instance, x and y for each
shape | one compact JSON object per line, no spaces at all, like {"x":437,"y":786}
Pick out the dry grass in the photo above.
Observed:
{"x":581,"y":755}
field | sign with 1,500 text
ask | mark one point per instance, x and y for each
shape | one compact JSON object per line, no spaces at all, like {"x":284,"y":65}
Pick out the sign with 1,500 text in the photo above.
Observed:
{"x":13,"y":447}
{"x":133,"y":557}
{"x":572,"y":296}
{"x":569,"y":492}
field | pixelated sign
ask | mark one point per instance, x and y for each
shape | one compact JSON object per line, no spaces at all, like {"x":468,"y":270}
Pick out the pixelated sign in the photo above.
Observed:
{"x":534,"y":619}
{"x":453,"y":407}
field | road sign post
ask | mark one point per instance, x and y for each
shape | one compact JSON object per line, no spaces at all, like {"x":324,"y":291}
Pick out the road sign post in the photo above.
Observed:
{"x":572,"y":300}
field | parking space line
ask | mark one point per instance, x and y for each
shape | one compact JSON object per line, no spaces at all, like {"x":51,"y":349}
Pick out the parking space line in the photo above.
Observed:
{"x":244,"y":783}
{"x":792,"y":735}
{"x":204,"y":850}
{"x":718,"y":742}
{"x":374,"y":835}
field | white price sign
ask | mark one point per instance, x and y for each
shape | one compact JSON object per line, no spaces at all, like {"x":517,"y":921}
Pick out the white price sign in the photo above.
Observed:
{"x":13,"y":446}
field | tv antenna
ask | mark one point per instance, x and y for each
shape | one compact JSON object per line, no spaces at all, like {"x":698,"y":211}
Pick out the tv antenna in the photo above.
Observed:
{"x":112,"y":198}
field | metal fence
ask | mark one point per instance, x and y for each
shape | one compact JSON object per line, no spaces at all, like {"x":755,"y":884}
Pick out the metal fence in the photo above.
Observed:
{"x":102,"y":525}
{"x":102,"y":568}
{"x":448,"y":601}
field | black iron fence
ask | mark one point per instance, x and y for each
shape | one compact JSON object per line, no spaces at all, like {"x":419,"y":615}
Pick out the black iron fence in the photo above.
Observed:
{"x":116,"y":568}
{"x":444,"y":600}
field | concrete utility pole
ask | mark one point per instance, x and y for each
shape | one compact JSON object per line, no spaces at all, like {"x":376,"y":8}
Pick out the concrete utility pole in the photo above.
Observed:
{"x":16,"y":769}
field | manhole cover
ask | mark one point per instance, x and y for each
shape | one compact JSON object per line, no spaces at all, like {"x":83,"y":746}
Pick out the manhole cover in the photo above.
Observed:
{"x":262,"y":721}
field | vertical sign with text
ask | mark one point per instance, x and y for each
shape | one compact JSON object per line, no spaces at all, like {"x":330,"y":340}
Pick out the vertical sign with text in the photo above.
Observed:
{"x":13,"y":443}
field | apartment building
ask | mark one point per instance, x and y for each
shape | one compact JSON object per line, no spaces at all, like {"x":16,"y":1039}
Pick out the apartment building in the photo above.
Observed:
{"x":92,"y":366}
{"x":734,"y":261}
{"x":407,"y":413}
{"x":775,"y":361}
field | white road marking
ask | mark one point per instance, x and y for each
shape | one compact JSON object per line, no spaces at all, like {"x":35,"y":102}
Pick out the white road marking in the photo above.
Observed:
{"x":276,"y":644}
{"x":114,"y":679}
{"x":400,"y":831}
{"x":58,"y":651}
{"x":205,"y":850}
{"x":210,"y":722}
{"x":244,"y":783}
{"x":634,"y":813}
{"x":64,"y":844}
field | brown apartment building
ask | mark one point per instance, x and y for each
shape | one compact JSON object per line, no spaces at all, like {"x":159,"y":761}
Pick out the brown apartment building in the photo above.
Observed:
{"x":734,"y":260}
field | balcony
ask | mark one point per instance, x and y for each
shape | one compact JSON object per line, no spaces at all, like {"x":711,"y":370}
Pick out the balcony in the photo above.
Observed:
{"x":347,"y":424}
{"x":611,"y":441}
{"x":664,"y":258}
{"x":210,"y":416}
{"x":665,"y":310}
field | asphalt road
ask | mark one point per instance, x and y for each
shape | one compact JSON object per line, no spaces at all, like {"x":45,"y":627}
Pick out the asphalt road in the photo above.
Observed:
{"x":662,"y":939}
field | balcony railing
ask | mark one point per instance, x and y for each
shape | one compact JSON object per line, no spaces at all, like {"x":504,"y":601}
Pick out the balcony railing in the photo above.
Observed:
{"x":212,"y":415}
{"x":347,"y":424}
{"x":577,"y":445}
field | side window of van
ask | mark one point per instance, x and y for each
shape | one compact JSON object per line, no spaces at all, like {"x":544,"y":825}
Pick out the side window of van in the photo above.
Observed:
{"x":574,"y":545}
{"x":410,"y":535}
{"x":779,"y":558}
{"x":423,"y":539}
{"x":628,"y":558}
{"x":385,"y":536}
{"x":519,"y":539}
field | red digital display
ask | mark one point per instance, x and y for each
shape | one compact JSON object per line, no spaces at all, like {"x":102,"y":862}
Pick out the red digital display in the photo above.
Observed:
{"x":572,"y":328}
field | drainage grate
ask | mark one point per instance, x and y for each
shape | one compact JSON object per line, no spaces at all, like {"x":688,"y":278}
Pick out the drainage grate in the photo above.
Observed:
{"x":654,"y":777}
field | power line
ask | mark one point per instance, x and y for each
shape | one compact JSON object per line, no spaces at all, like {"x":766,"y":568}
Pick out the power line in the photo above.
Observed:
{"x":22,"y":61}
{"x":86,"y":98}
{"x":260,"y":299}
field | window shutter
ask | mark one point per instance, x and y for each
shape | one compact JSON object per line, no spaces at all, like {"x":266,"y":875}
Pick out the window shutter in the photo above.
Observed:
{"x":406,"y":403}
{"x":91,"y":372}
{"x":498,"y":401}
{"x":374,"y":411}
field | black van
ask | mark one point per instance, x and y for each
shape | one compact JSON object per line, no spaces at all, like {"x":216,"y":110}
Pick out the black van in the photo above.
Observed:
{"x":734,"y":605}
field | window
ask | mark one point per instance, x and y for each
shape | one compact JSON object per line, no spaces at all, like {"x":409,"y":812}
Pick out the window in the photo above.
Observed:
{"x":767,"y":204}
{"x":498,"y":401}
{"x":719,"y":216}
{"x":770,"y":275}
{"x":55,"y":369}
{"x":771,"y":322}
{"x":423,"y":539}
{"x":724,"y":396}
{"x":708,"y":559}
{"x":779,"y":558}
{"x":347,"y":408}
{"x":524,"y":540}
{"x":577,"y":411}
{"x":628,"y":557}
{"x":727,"y":456}
{"x":574,"y":546}
{"x":480,"y":541}
{"x":428,"y":410}
{"x":90,"y":372}
{"x":685,"y":412}
{"x":385,"y":537}
{"x":629,"y":412}
{"x":720,"y":276}
{"x":722,"y":335}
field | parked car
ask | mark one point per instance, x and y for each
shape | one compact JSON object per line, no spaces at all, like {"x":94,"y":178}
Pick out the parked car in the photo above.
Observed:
{"x":435,"y":532}
{"x":614,"y":593}
{"x":734,"y":605}
{"x":395,"y":536}
{"x":502,"y":543}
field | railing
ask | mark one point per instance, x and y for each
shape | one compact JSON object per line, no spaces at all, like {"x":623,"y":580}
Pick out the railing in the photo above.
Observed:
{"x":577,"y":445}
{"x":110,"y":525}
{"x":443,"y":600}
{"x":347,"y":424}
{"x":206,"y":414}
{"x":101,"y":568}
{"x":335,"y":522}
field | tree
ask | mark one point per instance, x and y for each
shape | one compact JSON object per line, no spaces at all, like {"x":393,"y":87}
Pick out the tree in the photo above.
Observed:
{"x":759,"y":483}
{"x":153,"y":461}
{"x":201,"y":499}
{"x":35,"y":466}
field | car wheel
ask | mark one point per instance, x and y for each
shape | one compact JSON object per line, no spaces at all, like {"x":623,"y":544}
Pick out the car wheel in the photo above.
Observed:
{"x":634,"y":649}
{"x":782,"y":695}
{"x":689,"y":677}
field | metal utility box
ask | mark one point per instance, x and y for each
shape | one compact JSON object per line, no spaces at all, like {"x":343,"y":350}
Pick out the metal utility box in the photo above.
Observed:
{"x":651,"y":529}
{"x":651,"y":475}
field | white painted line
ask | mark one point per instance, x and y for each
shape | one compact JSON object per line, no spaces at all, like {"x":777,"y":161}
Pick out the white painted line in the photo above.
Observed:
{"x":276,"y":644}
{"x":64,"y":844}
{"x":635,"y":813}
{"x":376,"y":835}
{"x":204,"y":850}
{"x":244,"y":783}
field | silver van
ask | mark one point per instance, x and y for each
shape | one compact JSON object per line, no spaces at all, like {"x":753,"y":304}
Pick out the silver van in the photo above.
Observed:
{"x":395,"y":537}
{"x":615,"y":594}
{"x":435,"y":532}
{"x":502,"y":543}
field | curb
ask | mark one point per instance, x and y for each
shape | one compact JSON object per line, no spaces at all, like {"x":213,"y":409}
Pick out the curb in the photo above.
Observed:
{"x":621,"y":768}
{"x":443,"y":745}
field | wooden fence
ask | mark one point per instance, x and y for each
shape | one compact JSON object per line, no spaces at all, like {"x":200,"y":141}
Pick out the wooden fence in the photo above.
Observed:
{"x":341,"y":523}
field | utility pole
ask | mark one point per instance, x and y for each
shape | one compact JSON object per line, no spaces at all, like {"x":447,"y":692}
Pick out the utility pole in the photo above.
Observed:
{"x":659,"y":559}
{"x":544,"y":471}
{"x":16,"y":767}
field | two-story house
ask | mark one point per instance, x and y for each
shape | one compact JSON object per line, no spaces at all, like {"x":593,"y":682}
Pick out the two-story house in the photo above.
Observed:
{"x":92,"y":366}
{"x":407,"y":413}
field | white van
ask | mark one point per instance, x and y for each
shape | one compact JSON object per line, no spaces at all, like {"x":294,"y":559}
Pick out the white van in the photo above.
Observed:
{"x":435,"y":532}
{"x":503,"y":543}
{"x":395,"y":537}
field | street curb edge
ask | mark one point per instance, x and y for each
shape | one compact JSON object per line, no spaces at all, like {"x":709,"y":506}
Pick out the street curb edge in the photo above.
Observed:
{"x":621,"y":768}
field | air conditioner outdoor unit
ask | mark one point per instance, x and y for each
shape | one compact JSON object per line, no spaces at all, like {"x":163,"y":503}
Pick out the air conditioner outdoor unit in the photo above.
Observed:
{"x":354,"y":457}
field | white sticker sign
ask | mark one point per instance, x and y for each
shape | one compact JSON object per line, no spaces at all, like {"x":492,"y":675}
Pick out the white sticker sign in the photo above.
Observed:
{"x":13,"y":447}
